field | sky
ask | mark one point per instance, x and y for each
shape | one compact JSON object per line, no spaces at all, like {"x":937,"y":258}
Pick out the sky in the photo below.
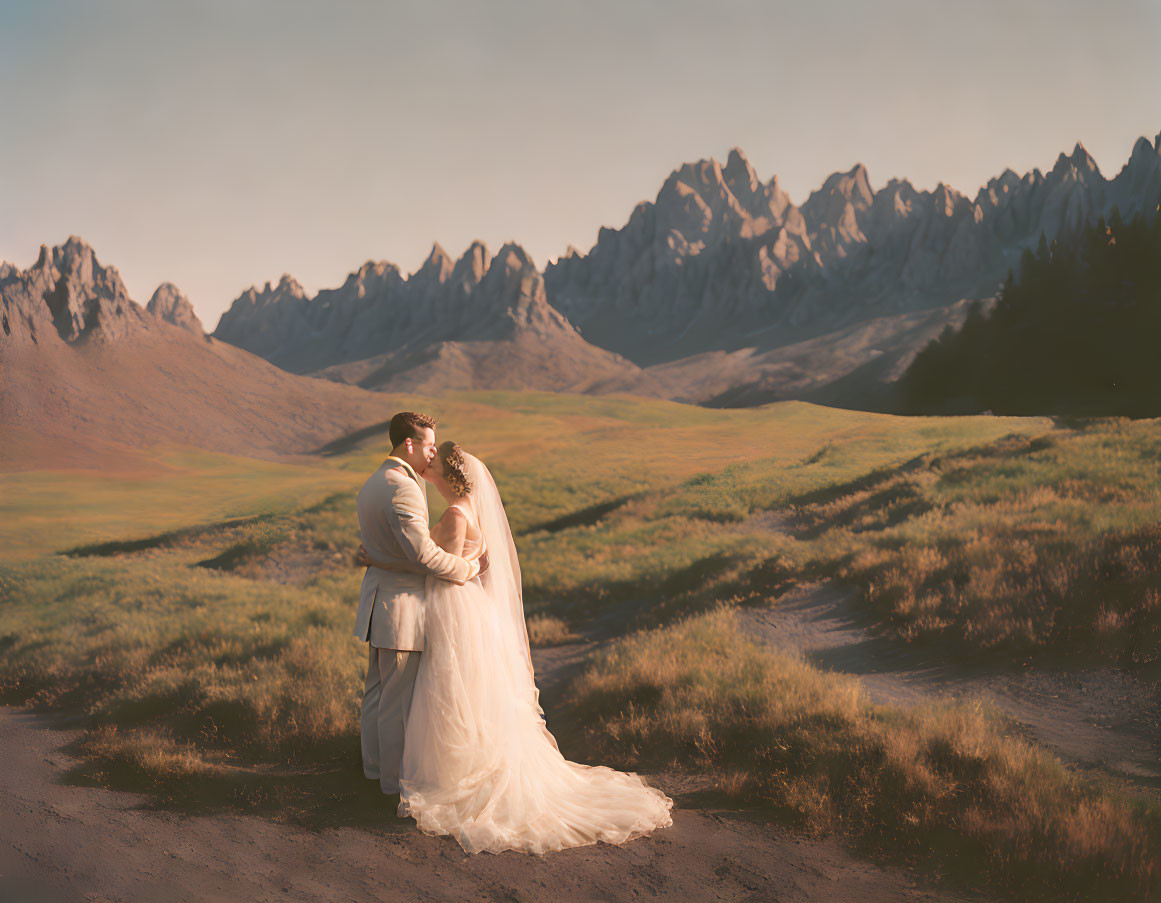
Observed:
{"x":218,"y":145}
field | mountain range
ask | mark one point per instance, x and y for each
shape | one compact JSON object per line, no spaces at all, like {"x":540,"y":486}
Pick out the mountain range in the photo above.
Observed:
{"x":88,"y":376}
{"x":479,"y":321}
{"x":719,"y":291}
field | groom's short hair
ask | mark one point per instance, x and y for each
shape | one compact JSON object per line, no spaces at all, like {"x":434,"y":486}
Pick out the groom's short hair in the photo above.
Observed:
{"x":408,"y":425}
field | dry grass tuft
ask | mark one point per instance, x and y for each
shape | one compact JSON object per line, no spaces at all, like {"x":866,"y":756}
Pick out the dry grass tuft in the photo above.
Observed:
{"x":942,"y":786}
{"x":545,"y":630}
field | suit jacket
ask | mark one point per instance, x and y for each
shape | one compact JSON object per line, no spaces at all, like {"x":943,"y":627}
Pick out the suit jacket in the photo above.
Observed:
{"x":393,"y":526}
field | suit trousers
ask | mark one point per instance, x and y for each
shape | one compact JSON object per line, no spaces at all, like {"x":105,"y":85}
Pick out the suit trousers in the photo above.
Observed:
{"x":386,"y":702}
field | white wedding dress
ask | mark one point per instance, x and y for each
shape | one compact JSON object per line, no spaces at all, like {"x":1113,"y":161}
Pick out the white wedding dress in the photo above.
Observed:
{"x":479,"y":762}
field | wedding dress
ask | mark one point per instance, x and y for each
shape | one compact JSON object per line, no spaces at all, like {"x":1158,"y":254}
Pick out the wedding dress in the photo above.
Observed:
{"x":479,"y":763}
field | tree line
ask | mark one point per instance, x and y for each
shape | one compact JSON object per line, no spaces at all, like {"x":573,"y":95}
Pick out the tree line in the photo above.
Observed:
{"x":1078,"y":333}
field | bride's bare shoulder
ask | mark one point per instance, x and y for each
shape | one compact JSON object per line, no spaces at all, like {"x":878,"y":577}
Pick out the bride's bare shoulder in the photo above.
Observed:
{"x":459,"y":508}
{"x":455,"y":514}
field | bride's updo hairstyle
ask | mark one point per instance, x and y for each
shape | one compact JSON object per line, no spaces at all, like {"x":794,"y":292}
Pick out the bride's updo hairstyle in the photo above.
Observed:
{"x":453,"y":468}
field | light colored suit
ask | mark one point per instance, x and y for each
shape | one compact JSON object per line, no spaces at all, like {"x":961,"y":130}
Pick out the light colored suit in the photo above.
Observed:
{"x":393,"y":525}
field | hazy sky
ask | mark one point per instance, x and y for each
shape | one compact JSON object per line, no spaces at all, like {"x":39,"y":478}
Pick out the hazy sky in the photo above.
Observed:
{"x":220,"y":144}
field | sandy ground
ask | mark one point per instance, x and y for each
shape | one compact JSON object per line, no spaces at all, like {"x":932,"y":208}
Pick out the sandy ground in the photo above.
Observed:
{"x":63,"y":842}
{"x":1100,"y":719}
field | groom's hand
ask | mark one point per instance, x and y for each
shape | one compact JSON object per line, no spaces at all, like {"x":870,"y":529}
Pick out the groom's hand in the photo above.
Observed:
{"x":483,"y":564}
{"x":361,"y":559}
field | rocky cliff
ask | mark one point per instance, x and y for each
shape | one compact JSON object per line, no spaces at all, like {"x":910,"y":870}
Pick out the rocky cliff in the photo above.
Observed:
{"x":486,"y":320}
{"x":722,"y":261}
{"x":66,"y":296}
{"x":87,"y":377}
{"x":169,"y":304}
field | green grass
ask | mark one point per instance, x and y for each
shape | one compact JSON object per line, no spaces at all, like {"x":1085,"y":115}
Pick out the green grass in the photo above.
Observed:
{"x":697,"y":522}
{"x":202,"y":618}
{"x":1018,"y":546}
{"x":941,"y":786}
{"x":49,"y":511}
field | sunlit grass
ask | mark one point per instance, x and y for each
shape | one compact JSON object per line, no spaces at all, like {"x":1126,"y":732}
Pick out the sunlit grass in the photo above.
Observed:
{"x":214,"y":641}
{"x":1016,"y":546}
{"x":49,"y":511}
{"x":942,"y":785}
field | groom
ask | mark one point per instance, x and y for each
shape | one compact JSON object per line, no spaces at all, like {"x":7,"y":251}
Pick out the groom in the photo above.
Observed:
{"x":393,"y":526}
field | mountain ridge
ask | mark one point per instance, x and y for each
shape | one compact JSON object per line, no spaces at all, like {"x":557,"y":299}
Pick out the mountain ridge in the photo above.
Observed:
{"x":858,"y":253}
{"x":90,"y":378}
{"x":379,"y":325}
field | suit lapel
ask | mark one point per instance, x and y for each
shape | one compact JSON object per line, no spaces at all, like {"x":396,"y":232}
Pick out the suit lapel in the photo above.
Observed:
{"x":410,"y":472}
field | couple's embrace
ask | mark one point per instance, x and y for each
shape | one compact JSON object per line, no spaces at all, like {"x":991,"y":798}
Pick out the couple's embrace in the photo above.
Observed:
{"x":451,"y":719}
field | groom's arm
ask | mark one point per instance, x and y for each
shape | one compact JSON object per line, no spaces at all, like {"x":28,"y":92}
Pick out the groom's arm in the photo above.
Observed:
{"x":410,"y":525}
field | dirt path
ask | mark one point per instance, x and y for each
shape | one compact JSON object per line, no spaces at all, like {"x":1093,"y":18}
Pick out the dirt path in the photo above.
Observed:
{"x":63,"y":842}
{"x":1099,"y":718}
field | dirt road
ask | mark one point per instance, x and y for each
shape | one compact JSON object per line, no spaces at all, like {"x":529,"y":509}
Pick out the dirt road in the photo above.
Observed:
{"x":64,"y":842}
{"x":1101,"y":719}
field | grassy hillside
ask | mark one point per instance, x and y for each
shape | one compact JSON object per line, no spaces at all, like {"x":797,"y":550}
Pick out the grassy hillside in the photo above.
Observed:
{"x":944,"y":785}
{"x":42,"y":512}
{"x":201,"y":616}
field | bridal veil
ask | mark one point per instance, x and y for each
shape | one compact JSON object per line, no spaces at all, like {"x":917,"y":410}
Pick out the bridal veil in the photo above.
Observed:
{"x":479,"y":762}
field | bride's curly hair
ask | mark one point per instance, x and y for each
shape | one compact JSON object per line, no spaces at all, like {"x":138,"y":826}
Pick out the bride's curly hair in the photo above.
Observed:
{"x":453,"y":468}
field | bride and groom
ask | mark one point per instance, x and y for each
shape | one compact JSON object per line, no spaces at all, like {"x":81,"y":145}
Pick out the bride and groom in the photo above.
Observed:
{"x":451,"y":719}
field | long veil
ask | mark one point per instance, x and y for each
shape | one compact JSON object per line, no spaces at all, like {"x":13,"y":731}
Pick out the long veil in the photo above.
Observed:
{"x":501,"y":581}
{"x":479,"y":762}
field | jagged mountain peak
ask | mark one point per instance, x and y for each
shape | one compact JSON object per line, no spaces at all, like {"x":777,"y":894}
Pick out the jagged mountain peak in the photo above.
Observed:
{"x":512,"y":257}
{"x":900,"y":186}
{"x":75,"y":256}
{"x":375,"y":268}
{"x":1080,"y":162}
{"x":859,"y":172}
{"x":701,"y":202}
{"x":68,"y":291}
{"x":998,"y":188}
{"x":945,"y":199}
{"x":438,"y":257}
{"x":1145,"y":153}
{"x":287,"y":285}
{"x":943,"y":190}
{"x":1080,"y":155}
{"x":740,"y":175}
{"x":472,"y":265}
{"x":436,"y":268}
{"x":854,"y":185}
{"x":706,"y":171}
{"x":370,"y":277}
{"x":76,"y":248}
{"x":168,"y":303}
{"x":287,"y":288}
{"x":165,"y":292}
{"x":1008,"y":178}
{"x":1144,"y":159}
{"x":711,"y":180}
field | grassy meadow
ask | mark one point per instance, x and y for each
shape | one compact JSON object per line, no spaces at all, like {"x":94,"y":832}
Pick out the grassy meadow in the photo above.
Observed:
{"x":200,"y":616}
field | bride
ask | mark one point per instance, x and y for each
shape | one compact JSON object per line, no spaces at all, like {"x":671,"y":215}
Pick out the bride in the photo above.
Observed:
{"x":478,"y":760}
